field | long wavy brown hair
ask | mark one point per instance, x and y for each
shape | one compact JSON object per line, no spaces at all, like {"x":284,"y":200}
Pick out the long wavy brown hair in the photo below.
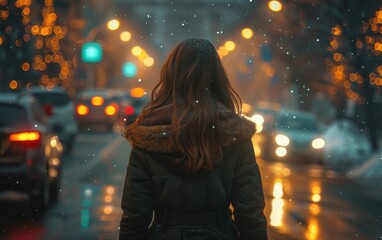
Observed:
{"x":194,"y":82}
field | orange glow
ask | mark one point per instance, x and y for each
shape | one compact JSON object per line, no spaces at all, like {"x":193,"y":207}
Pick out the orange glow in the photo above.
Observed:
{"x":347,"y":84}
{"x":230,"y":45}
{"x":275,"y":5}
{"x":338,"y":57}
{"x":24,"y":136}
{"x":148,"y":62}
{"x":13,"y":84}
{"x":108,"y":199}
{"x":125,"y":36}
{"x":353,"y":77}
{"x":110,"y":110}
{"x":136,"y":51}
{"x":137,"y":92}
{"x":26,"y":11}
{"x":108,"y":210}
{"x":334,"y":44}
{"x":97,"y":100}
{"x":113,"y":24}
{"x":82,"y":110}
{"x":336,"y":31}
{"x":247,"y":33}
{"x":359,"y":44}
{"x":25,"y":67}
{"x":110,"y":190}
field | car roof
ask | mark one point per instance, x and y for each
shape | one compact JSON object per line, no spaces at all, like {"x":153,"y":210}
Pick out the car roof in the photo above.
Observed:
{"x":19,"y":98}
{"x":8,"y":97}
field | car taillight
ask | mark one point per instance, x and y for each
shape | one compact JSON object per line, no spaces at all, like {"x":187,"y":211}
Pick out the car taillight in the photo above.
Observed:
{"x":129,"y":110}
{"x":82,"y":110}
{"x":48,"y":109}
{"x":111,"y":110}
{"x":97,"y":100}
{"x":26,"y":139}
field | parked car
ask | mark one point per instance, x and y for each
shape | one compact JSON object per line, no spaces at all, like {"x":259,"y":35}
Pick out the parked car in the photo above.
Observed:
{"x":348,"y":146}
{"x":30,"y":154}
{"x":96,"y":107}
{"x":293,"y":135}
{"x":60,"y":109}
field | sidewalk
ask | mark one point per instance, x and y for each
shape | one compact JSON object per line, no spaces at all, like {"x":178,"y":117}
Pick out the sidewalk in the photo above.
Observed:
{"x":369,"y":174}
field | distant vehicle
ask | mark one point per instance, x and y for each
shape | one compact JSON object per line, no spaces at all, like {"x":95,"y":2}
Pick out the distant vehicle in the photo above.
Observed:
{"x":96,"y":107}
{"x":264,"y":118}
{"x":349,"y":146}
{"x":30,"y":154}
{"x":293,"y":135}
{"x":138,"y":103}
{"x":60,"y":109}
{"x":130,"y":104}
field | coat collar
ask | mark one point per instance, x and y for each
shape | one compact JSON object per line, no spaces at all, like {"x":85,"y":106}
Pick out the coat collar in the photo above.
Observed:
{"x":152,"y":133}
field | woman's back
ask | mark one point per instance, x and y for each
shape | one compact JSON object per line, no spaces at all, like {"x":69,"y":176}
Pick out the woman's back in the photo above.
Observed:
{"x":192,"y":157}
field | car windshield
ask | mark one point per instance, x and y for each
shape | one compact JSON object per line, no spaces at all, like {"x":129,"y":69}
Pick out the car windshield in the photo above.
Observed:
{"x":55,"y":99}
{"x":15,"y":115}
{"x":296,"y":122}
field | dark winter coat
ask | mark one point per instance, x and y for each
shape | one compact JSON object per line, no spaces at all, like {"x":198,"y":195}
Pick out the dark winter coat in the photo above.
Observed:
{"x":157,"y":185}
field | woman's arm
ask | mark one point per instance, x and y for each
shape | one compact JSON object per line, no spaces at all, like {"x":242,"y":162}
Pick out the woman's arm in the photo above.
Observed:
{"x":137,"y":200}
{"x":248,"y":197}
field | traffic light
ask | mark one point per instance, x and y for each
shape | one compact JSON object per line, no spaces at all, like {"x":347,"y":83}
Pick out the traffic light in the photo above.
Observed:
{"x":129,"y":69}
{"x":91,"y":52}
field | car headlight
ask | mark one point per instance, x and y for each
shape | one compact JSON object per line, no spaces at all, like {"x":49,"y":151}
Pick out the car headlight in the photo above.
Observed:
{"x":318,"y":143}
{"x":282,"y":140}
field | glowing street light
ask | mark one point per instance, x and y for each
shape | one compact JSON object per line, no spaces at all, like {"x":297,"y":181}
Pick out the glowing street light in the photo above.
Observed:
{"x":125,"y":36}
{"x":136,"y":51}
{"x":230,"y":45}
{"x":275,"y":5}
{"x":148,"y":62}
{"x":246,"y":33}
{"x":113,"y":24}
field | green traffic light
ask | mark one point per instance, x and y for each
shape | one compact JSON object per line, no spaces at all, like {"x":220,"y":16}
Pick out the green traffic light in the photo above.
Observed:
{"x":129,"y":69}
{"x":91,"y":52}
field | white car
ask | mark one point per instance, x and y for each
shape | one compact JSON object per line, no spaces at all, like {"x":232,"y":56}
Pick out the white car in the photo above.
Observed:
{"x":293,"y":135}
{"x":61,"y":112}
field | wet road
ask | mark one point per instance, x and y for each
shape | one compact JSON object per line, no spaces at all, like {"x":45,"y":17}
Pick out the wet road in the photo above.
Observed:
{"x":303,"y":201}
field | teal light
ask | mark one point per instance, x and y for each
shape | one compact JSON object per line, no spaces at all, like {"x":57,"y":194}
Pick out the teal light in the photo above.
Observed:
{"x":85,"y":218}
{"x":129,"y":69}
{"x":91,"y":52}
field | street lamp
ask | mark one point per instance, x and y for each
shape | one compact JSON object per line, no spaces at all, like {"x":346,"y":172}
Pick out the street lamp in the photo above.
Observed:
{"x":125,"y":36}
{"x":230,"y":45}
{"x":113,"y":24}
{"x":247,"y":33}
{"x":275,"y":5}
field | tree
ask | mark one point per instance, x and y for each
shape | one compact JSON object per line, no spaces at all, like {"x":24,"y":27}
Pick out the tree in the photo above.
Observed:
{"x":355,"y":44}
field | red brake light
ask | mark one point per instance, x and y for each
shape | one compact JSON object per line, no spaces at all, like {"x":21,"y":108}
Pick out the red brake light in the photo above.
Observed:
{"x":26,"y":139}
{"x":48,"y":109}
{"x":129,"y":110}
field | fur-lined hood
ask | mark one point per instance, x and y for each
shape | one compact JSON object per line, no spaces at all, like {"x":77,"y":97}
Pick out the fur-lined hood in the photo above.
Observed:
{"x":152,"y":133}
